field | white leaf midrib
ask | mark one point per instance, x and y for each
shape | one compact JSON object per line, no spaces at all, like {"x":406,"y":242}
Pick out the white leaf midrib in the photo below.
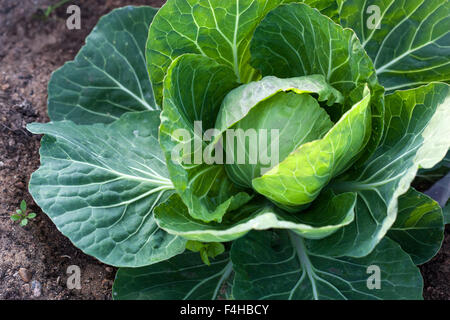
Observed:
{"x":305,"y":263}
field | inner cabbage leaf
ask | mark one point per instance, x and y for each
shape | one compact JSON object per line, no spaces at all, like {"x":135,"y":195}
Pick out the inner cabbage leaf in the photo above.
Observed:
{"x":270,"y":132}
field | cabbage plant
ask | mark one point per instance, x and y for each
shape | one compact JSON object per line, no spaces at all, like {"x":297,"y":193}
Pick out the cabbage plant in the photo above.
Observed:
{"x":350,"y":99}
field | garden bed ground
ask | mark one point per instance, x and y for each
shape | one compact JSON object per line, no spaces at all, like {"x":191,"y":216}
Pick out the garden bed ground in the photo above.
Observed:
{"x":31,"y":48}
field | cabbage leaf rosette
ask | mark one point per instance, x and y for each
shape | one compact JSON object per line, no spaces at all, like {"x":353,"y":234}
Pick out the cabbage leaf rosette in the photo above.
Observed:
{"x":252,"y":149}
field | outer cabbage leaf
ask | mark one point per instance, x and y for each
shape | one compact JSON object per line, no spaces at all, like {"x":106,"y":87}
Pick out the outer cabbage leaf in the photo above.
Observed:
{"x":299,"y":178}
{"x":193,"y":91}
{"x":184,"y":277}
{"x":420,"y":55}
{"x":416,"y":135}
{"x":296,"y":40}
{"x":330,"y":213}
{"x":419,"y":228}
{"x":108,"y":76}
{"x":100,"y":183}
{"x":217,"y":29}
{"x":277,"y":265}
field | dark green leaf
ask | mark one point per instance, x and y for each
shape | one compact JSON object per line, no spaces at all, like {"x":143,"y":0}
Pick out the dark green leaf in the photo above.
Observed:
{"x":184,"y":277}
{"x":277,"y":265}
{"x":411,"y":46}
{"x":108,"y":76}
{"x":100,"y":183}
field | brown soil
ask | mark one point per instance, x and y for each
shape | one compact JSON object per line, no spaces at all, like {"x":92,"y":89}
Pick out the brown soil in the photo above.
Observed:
{"x":31,"y":48}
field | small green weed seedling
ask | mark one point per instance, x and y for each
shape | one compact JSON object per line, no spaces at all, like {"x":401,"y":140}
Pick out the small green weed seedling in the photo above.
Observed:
{"x":53,"y":7}
{"x":22,"y":216}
